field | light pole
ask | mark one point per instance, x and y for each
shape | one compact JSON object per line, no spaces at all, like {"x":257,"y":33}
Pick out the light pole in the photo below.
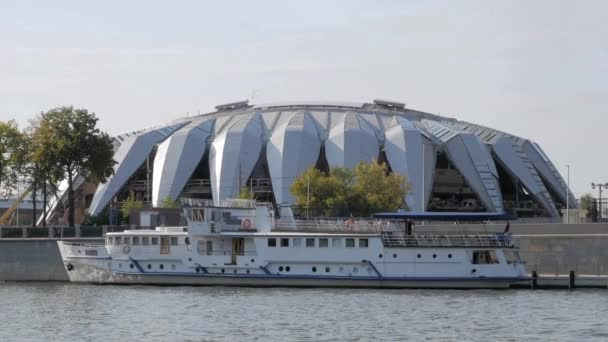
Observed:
{"x":599,"y":202}
{"x":568,"y":195}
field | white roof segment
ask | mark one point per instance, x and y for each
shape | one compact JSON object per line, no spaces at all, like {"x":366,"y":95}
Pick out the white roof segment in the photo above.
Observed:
{"x":473,"y":160}
{"x":129,"y":157}
{"x":293,"y":147}
{"x":233,"y":155}
{"x":404,"y":150}
{"x":177,"y":158}
{"x":350,"y":141}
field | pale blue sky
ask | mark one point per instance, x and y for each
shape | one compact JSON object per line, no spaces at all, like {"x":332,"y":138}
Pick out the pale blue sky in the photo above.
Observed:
{"x":538,"y":69}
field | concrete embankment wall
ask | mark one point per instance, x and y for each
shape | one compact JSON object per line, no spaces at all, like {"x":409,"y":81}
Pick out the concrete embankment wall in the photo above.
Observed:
{"x":31,"y":260}
{"x":547,"y":249}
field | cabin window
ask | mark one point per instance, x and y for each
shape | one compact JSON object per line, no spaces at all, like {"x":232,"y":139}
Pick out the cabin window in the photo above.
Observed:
{"x":284,"y":242}
{"x":109,"y":240}
{"x":155,"y":240}
{"x":336,"y":243}
{"x":127,"y":240}
{"x":200,"y":247}
{"x":363,"y":243}
{"x":136,"y":240}
{"x":118,"y":240}
{"x":145,"y":240}
{"x":310,"y":243}
{"x":209,"y":247}
{"x":174,"y":241}
{"x":350,"y":243}
{"x":297,"y":242}
{"x":272,"y":242}
{"x":323,"y":243}
{"x":484,"y":257}
{"x":512,"y":257}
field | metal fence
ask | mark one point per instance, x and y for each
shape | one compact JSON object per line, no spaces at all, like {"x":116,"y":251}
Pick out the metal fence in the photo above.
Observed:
{"x":58,"y":232}
{"x":598,"y":210}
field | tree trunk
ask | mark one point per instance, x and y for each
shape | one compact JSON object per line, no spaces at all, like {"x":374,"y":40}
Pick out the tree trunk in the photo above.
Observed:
{"x":44,"y":199}
{"x":34,"y":190}
{"x":70,"y":199}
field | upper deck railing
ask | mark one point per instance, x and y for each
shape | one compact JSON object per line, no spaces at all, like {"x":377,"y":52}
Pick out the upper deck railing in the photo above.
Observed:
{"x":451,"y":239}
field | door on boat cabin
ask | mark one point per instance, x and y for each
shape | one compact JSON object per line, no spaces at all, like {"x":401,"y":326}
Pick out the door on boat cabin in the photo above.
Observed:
{"x":238,"y":248}
{"x":165,"y":245}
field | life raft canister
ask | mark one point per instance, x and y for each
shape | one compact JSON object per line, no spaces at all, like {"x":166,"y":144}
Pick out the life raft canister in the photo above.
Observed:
{"x":246,"y":223}
{"x":126,"y":249}
{"x":350,"y":223}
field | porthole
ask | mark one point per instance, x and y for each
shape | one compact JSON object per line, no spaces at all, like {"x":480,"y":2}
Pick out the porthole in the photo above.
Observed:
{"x":287,"y":268}
{"x":314,"y":268}
{"x":395,"y":255}
{"x":434,"y":256}
{"x":450,"y":256}
{"x":280,"y":268}
{"x":419,"y":256}
{"x":380,"y":256}
{"x":149,"y":266}
{"x":189,"y":259}
{"x":197,"y":269}
{"x":234,"y":271}
{"x":248,"y":271}
{"x":173,"y":267}
{"x":327,"y":269}
{"x":223,"y":270}
{"x":355,"y":270}
{"x":341,"y":269}
{"x":252,"y":260}
{"x":130,"y":265}
{"x":161,"y":266}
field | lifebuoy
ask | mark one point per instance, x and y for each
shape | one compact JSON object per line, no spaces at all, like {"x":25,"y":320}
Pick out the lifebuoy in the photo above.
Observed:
{"x":246,"y":223}
{"x":350,"y":223}
{"x":126,"y":249}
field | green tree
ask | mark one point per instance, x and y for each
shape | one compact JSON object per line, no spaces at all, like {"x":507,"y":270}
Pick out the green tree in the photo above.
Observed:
{"x":586,"y":201}
{"x":367,"y":189}
{"x":245,"y":193}
{"x":79,"y":148}
{"x":11,"y":143}
{"x":130,"y":203}
{"x":169,"y":202}
{"x":375,"y":189}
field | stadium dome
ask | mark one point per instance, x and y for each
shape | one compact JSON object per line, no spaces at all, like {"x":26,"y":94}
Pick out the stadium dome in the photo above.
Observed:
{"x":452,"y":165}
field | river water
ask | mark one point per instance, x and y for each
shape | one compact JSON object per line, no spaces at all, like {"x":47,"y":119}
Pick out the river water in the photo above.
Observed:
{"x":67,"y":312}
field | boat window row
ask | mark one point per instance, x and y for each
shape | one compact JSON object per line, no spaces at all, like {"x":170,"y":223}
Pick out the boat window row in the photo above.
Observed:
{"x":140,"y":240}
{"x":318,"y":242}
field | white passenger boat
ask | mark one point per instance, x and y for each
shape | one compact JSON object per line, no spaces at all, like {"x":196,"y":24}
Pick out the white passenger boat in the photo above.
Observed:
{"x":239,"y":243}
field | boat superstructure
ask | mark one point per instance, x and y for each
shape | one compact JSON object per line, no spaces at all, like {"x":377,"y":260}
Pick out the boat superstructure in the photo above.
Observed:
{"x":240,"y":243}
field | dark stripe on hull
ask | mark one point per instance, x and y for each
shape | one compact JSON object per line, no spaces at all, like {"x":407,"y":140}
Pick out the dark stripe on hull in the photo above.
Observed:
{"x":83,"y":273}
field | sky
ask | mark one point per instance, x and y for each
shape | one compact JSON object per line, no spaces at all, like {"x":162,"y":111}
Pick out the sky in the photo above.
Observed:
{"x":537,"y":69}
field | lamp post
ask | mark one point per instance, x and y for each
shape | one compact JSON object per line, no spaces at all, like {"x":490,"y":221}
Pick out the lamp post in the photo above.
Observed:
{"x":599,"y":187}
{"x":568,"y":195}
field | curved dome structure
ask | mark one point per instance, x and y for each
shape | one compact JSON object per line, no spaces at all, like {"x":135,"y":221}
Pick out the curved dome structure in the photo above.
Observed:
{"x":451,"y":165}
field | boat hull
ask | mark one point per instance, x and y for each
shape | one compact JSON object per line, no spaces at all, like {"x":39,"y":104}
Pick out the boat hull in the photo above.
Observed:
{"x":86,"y":273}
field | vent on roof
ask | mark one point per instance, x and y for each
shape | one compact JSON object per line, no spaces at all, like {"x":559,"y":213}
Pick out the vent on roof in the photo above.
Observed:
{"x":232,"y":105}
{"x":390,"y":104}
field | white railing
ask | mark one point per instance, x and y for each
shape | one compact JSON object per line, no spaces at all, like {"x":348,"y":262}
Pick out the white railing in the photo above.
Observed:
{"x":448,"y":239}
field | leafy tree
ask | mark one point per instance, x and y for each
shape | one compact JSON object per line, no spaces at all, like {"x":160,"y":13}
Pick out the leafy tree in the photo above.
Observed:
{"x":375,"y":189}
{"x":11,"y":140}
{"x":367,"y":189}
{"x":245,"y":193}
{"x":130,"y":203}
{"x":168,"y":202}
{"x":78,"y":147}
{"x":586,"y":201}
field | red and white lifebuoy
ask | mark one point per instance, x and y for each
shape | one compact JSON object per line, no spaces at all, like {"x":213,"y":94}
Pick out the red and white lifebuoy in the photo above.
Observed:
{"x":246,"y":223}
{"x":349,"y":223}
